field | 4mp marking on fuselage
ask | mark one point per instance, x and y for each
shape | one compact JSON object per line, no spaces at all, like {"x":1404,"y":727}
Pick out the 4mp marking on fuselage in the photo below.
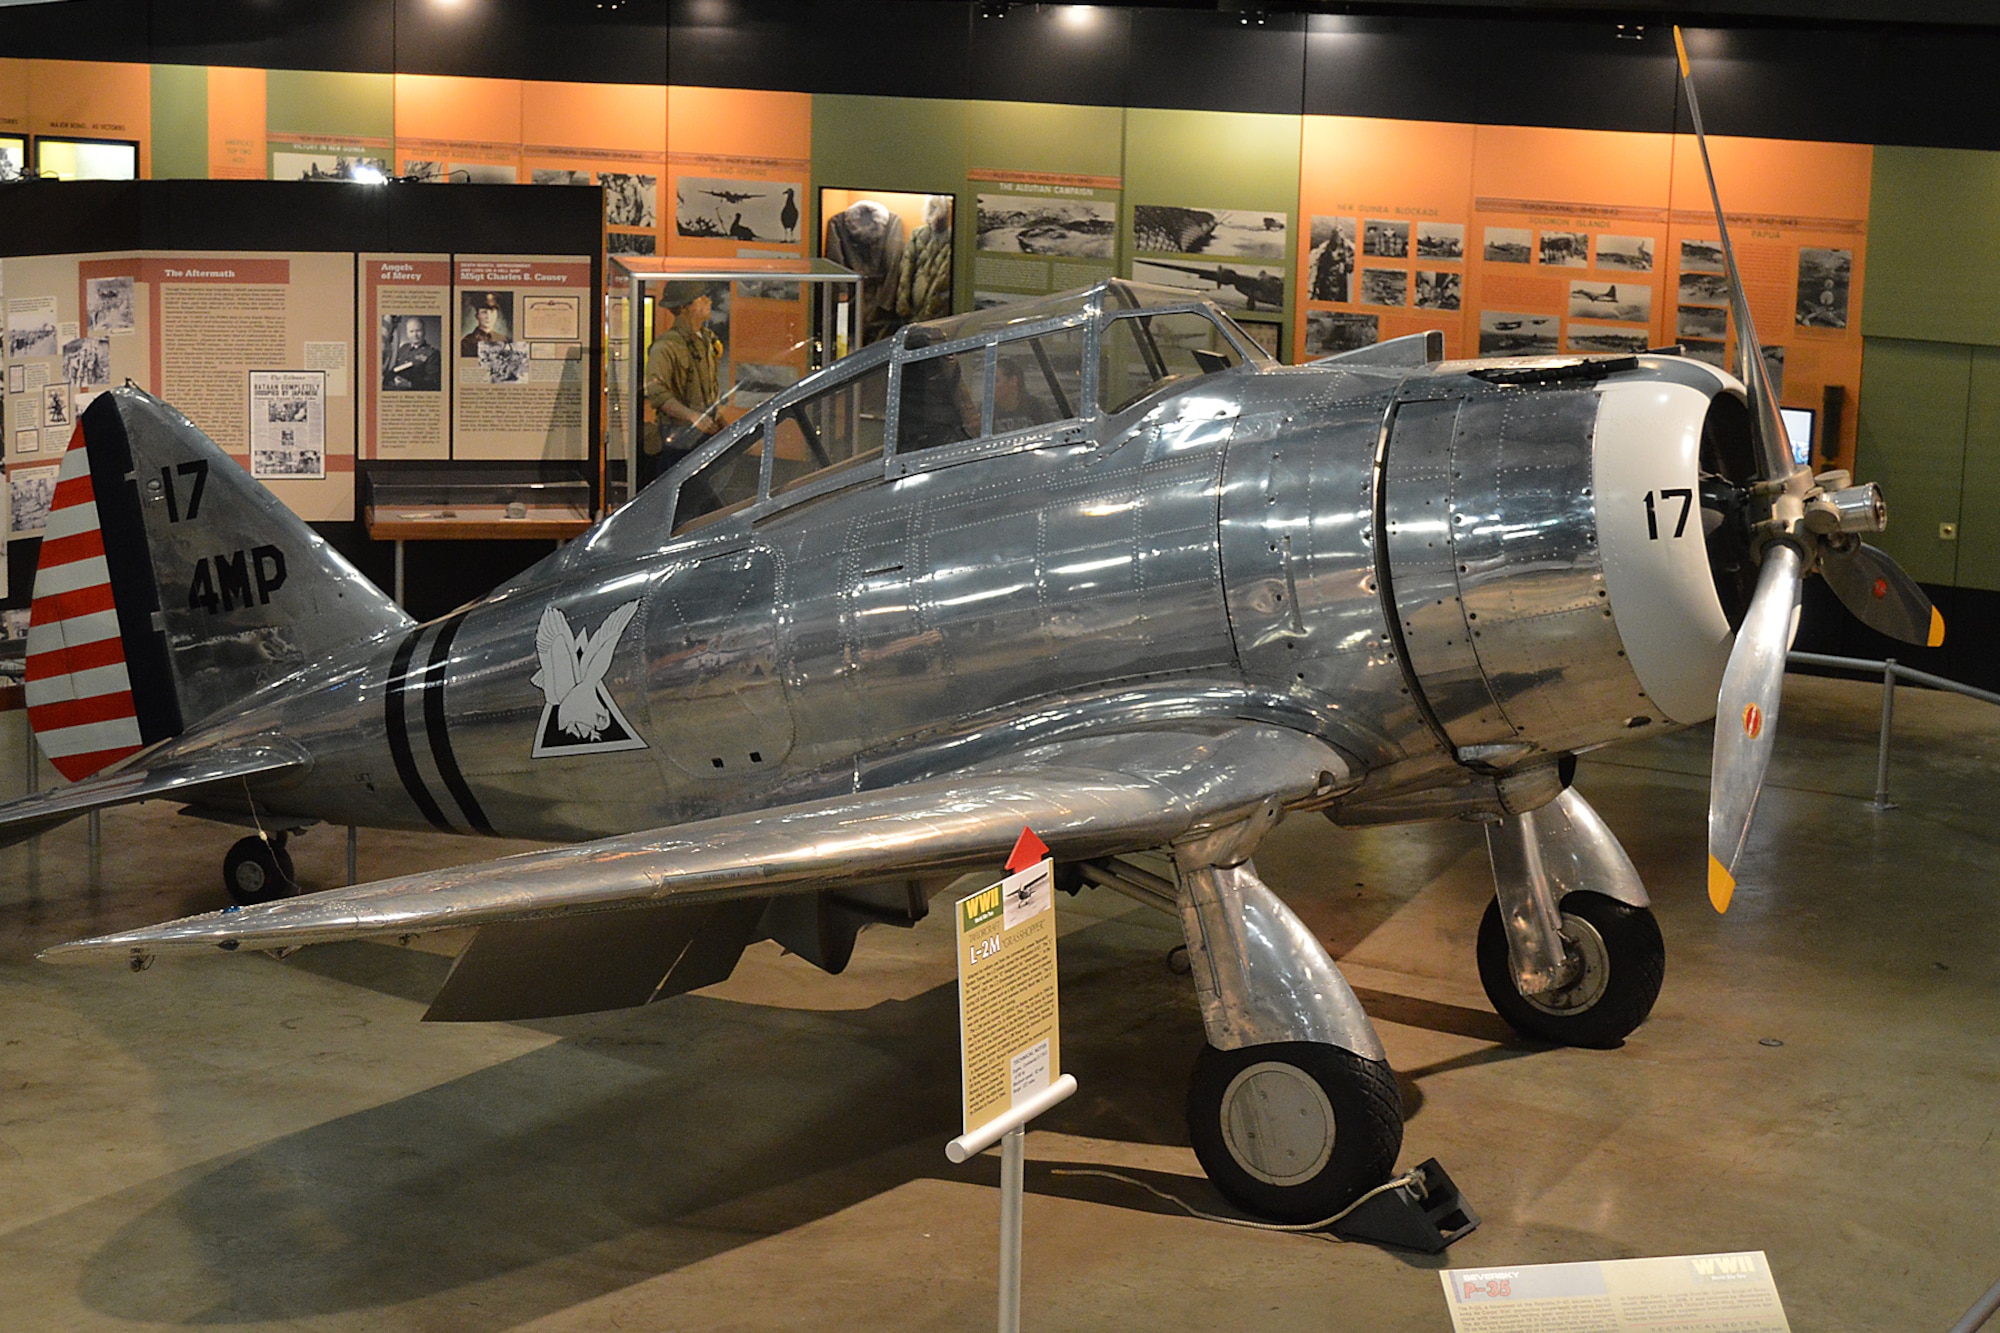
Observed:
{"x":1093,"y":564}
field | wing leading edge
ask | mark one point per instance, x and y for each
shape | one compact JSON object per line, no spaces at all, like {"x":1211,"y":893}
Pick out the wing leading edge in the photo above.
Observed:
{"x":1086,"y":797}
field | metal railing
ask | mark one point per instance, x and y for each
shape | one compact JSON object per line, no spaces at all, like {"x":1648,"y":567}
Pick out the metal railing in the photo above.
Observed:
{"x":1891,"y":671}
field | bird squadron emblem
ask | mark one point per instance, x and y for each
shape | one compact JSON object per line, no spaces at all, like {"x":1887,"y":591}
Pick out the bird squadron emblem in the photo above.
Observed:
{"x":579,"y":715}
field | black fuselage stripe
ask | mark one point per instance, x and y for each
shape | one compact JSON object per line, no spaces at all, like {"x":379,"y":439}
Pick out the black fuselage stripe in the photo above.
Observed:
{"x":440,"y":737}
{"x":399,"y":732}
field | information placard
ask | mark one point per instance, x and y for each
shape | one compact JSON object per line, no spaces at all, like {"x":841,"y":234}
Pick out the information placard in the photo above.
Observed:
{"x":1689,"y":1293}
{"x":520,"y":357}
{"x":406,"y":308}
{"x":1007,"y":1022}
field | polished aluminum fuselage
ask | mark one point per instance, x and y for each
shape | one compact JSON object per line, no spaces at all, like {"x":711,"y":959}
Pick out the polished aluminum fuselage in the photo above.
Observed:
{"x":1230,"y":548}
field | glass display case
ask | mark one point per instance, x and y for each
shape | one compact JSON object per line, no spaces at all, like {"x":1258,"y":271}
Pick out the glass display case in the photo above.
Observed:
{"x":692,"y":344}
{"x":479,"y":501}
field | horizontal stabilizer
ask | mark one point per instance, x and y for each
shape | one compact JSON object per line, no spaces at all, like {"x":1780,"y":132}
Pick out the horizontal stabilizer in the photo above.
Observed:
{"x":184,"y":778}
{"x":1089,"y":797}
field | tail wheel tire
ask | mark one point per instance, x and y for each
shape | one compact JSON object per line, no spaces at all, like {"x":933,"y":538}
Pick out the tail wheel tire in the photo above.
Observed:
{"x":256,"y":871}
{"x":1294,"y":1131}
{"x":1621,"y":963}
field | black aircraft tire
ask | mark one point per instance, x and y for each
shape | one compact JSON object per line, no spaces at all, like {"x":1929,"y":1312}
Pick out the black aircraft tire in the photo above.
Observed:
{"x":1242,"y":1102}
{"x":1625,"y":962}
{"x":256,"y":871}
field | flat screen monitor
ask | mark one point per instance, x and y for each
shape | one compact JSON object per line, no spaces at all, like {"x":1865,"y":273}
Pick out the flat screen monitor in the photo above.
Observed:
{"x":1799,"y":430}
{"x":87,"y":159}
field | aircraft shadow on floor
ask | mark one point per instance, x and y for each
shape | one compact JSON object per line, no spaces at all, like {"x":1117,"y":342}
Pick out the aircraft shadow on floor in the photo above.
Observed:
{"x":644,"y":1140}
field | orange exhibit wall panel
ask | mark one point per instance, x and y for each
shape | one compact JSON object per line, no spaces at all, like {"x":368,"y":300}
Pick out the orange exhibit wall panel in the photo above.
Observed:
{"x":593,"y":119}
{"x":1518,"y":241}
{"x":1566,"y":240}
{"x":1798,"y":220}
{"x":612,"y":134}
{"x":236,"y":122}
{"x":1385,"y":205}
{"x":89,"y":99}
{"x":736,"y":122}
{"x":13,"y":95}
{"x":458,"y":129}
{"x":739,"y":172}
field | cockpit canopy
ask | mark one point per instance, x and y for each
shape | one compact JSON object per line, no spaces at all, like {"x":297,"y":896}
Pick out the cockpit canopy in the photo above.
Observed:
{"x":946,"y":390}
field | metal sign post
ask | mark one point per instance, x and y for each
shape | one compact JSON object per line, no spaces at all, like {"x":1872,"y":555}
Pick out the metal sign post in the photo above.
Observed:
{"x":1010,"y":1131}
{"x":1009,"y":1040}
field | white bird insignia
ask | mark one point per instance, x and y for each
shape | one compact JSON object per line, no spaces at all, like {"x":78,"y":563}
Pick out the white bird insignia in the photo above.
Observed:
{"x":579,"y":715}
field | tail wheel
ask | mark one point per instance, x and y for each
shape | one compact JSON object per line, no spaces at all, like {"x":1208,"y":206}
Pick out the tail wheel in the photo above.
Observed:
{"x":1621,"y":963}
{"x":1294,"y":1130}
{"x":257,"y":871}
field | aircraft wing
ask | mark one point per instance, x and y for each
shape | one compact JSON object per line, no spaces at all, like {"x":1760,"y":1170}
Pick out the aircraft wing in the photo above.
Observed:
{"x":185,"y":778}
{"x":1091,"y":796}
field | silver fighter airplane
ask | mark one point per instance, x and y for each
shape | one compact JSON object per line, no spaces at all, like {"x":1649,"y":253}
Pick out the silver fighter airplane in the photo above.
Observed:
{"x":1093,"y":564}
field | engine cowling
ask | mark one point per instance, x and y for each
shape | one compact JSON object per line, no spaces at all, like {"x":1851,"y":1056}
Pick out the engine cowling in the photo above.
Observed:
{"x":1547,"y":552}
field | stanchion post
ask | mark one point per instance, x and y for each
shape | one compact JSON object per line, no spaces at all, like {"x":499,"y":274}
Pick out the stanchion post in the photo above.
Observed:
{"x":1010,"y":1132}
{"x":1882,"y":801}
{"x":1013,"y":1185}
{"x":353,"y":854}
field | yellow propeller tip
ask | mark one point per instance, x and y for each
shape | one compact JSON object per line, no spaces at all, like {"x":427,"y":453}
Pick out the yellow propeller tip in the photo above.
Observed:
{"x":1721,"y":885}
{"x":1936,"y":635}
{"x":1680,"y":49}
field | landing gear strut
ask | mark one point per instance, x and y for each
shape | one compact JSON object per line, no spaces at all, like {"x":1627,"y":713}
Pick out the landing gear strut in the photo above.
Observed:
{"x":1293,"y":1111}
{"x":1568,"y":951}
{"x":258,"y":870}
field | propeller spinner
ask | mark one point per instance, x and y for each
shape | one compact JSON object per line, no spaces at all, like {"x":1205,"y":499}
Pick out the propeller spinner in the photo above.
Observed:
{"x":1789,"y":523}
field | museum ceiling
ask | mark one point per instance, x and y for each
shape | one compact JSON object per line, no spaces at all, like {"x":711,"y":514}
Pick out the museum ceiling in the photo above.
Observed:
{"x":1901,"y":13}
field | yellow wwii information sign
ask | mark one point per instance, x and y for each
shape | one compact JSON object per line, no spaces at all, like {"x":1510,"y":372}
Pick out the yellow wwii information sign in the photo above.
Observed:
{"x":1007,"y":993}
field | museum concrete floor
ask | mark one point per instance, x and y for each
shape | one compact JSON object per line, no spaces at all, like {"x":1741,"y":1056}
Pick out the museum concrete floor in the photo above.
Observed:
{"x":248,"y":1142}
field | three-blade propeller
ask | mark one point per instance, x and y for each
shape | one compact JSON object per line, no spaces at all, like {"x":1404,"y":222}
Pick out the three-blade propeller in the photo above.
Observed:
{"x":1797,"y":523}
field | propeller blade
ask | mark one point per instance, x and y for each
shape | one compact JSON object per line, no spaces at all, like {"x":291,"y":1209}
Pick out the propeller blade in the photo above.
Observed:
{"x":1746,"y":715}
{"x":1881,"y":596}
{"x":1773,"y":445}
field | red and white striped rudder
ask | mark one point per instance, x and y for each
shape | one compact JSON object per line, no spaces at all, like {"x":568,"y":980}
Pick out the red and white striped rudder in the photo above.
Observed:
{"x":79,"y":688}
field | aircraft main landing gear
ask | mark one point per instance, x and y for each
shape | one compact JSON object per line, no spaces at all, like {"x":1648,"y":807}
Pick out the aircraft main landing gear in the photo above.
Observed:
{"x":258,"y":870}
{"x":1293,"y":1111}
{"x":1294,"y":1130}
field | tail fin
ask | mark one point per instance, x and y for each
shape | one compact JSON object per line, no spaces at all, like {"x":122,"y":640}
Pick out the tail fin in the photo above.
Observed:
{"x":170,"y":585}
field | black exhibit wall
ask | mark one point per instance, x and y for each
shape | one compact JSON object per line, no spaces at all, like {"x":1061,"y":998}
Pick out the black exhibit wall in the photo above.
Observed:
{"x":1853,"y":81}
{"x":78,"y":217}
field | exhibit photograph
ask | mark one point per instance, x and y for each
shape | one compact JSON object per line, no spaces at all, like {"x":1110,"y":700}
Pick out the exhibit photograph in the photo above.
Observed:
{"x":1074,"y":666}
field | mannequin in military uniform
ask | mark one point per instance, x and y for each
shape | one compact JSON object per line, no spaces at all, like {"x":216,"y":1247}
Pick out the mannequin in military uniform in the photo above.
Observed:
{"x":681,"y":373}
